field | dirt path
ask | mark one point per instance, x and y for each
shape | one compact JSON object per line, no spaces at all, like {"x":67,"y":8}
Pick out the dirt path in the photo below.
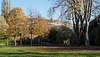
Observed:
{"x":62,"y":47}
{"x":74,"y":48}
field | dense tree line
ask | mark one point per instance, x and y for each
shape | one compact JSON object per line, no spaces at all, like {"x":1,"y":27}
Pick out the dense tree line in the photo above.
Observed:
{"x":16,"y":25}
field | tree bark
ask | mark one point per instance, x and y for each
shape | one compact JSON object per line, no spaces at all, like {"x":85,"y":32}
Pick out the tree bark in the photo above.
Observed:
{"x":31,"y":39}
{"x":78,"y":40}
{"x":15,"y":37}
{"x":15,"y":41}
{"x":86,"y":34}
{"x":41,"y":40}
{"x":38,"y":40}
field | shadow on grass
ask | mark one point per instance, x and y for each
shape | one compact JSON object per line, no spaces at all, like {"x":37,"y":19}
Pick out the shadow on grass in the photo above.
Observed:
{"x":51,"y":54}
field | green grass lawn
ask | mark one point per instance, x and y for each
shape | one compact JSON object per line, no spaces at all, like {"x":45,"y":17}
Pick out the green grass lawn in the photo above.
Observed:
{"x":40,"y":51}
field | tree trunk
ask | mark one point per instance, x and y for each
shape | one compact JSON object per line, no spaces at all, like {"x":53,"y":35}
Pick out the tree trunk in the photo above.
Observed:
{"x":86,"y":34}
{"x":31,"y":39}
{"x":15,"y":37}
{"x":15,"y":41}
{"x":41,"y":40}
{"x":20,"y":40}
{"x":38,"y":40}
{"x":78,"y":33}
{"x":78,"y":40}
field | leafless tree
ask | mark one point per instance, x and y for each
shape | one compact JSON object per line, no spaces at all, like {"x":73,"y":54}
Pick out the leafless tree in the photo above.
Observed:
{"x":80,"y":12}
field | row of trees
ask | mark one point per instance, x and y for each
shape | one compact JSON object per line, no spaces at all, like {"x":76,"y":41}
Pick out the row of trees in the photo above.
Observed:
{"x":19,"y":25}
{"x":78,"y":11}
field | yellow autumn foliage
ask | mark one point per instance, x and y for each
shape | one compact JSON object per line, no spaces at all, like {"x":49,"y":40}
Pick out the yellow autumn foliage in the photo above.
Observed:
{"x":40,"y":26}
{"x":16,"y":20}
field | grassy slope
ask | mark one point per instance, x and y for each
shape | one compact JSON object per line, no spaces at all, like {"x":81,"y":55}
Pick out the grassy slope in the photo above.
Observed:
{"x":43,"y":52}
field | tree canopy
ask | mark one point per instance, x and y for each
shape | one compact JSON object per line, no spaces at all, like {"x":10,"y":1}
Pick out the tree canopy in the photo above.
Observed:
{"x":40,"y":26}
{"x":3,"y":26}
{"x":17,"y":22}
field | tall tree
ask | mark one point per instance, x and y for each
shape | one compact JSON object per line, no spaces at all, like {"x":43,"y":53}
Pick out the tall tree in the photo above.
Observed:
{"x":5,"y":8}
{"x":16,"y":22}
{"x":80,"y":11}
{"x":22,"y":27}
{"x":40,"y":27}
{"x":32,"y":17}
{"x":3,"y":28}
{"x":31,"y":23}
{"x":30,"y":28}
